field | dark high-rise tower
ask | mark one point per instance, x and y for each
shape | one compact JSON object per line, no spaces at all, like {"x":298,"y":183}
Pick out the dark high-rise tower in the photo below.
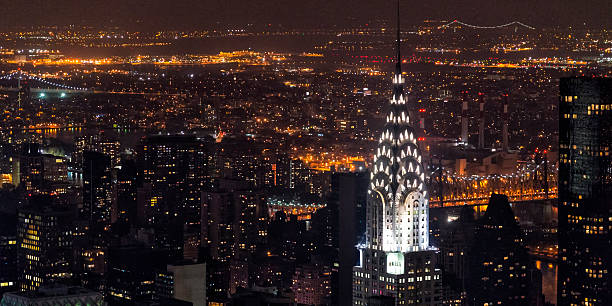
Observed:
{"x":585,"y":186}
{"x":97,"y":192}
{"x":127,"y":179}
{"x":396,"y":259}
{"x":456,"y":240}
{"x":347,"y":204}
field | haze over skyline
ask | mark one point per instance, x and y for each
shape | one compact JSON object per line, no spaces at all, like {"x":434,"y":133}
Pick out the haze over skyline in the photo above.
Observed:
{"x":181,"y":14}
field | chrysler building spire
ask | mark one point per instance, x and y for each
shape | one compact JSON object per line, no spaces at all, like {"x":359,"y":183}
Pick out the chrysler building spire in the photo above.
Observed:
{"x":396,"y":259}
{"x":399,"y":209}
{"x":398,"y":63}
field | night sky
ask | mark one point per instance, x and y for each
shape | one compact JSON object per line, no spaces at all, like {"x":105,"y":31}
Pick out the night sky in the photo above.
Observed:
{"x":182,"y":14}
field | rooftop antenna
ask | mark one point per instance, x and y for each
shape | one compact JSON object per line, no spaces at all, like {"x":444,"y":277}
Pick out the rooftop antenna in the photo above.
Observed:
{"x":398,"y":66}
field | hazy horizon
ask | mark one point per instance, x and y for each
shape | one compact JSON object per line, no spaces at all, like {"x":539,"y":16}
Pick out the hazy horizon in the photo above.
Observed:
{"x":191,"y":14}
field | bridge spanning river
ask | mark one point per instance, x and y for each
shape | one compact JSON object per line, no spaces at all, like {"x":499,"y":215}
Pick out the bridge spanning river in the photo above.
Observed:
{"x":531,"y":182}
{"x":46,"y":86}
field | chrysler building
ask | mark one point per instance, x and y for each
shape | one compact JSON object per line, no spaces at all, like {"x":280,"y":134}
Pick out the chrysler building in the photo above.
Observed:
{"x":396,"y":259}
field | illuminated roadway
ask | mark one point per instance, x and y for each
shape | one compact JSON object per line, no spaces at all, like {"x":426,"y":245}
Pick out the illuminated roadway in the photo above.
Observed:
{"x":57,"y":88}
{"x":525,"y":185}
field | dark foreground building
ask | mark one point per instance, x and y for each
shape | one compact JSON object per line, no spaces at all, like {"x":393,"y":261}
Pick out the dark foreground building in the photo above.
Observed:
{"x":54,"y":295}
{"x":347,"y":205}
{"x":500,"y":270}
{"x":585,"y":191}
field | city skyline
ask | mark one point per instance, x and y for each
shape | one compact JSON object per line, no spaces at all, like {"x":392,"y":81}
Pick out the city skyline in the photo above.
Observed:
{"x":305,"y":153}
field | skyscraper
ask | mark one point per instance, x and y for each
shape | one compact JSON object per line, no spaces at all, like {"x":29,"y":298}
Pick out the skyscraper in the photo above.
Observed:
{"x":347,"y":204}
{"x":97,"y":189}
{"x":234,"y":226}
{"x":396,"y":259}
{"x":585,"y":186}
{"x":44,"y":253}
{"x":127,"y":191}
{"x":456,"y":239}
{"x":176,"y":169}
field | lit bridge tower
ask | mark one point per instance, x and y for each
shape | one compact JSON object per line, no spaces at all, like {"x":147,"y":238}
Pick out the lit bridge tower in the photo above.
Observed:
{"x":396,"y":260}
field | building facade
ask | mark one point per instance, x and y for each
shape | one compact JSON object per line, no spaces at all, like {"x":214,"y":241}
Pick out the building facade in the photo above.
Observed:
{"x":41,"y":173}
{"x":177,"y":168}
{"x":183,"y":281}
{"x":44,"y":253}
{"x":8,"y":253}
{"x":585,"y":185}
{"x":311,"y":284}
